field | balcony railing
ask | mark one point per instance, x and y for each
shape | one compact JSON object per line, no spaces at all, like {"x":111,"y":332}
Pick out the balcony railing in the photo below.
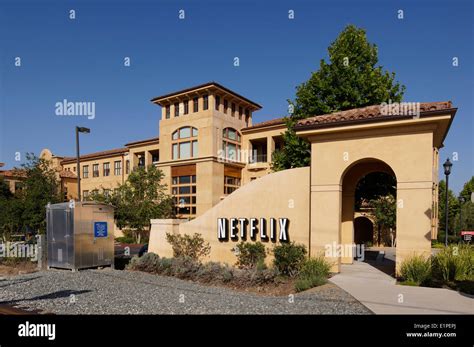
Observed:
{"x":257,"y":158}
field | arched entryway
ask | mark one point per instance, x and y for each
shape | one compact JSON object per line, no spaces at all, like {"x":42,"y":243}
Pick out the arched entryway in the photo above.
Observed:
{"x":363,"y":231}
{"x":364,"y":186}
{"x":345,"y":146}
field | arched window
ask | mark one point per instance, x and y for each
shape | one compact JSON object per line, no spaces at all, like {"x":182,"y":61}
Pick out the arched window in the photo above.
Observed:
{"x":184,"y":143}
{"x":231,"y":144}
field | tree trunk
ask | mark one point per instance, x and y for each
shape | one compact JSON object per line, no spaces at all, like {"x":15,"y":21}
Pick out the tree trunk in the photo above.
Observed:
{"x":378,"y":235}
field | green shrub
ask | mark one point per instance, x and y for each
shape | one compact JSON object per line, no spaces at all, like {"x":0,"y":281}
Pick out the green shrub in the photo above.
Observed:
{"x":215,"y":272}
{"x":250,"y":254}
{"x":416,"y":270}
{"x":314,"y":272}
{"x":252,"y":277}
{"x":306,"y":283}
{"x":455,"y":262}
{"x":193,"y":247}
{"x":149,"y":262}
{"x":288,"y":258}
{"x":185,"y":268}
{"x":125,"y":239}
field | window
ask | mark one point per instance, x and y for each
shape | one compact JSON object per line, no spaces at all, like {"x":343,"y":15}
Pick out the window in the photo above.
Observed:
{"x":155,"y":157}
{"x":231,"y":144}
{"x":95,"y":170}
{"x":127,"y":167}
{"x":168,"y":112}
{"x":117,"y":168}
{"x":183,"y":189}
{"x":195,"y":104}
{"x":65,"y":194}
{"x":247,"y":116}
{"x":231,"y":184}
{"x":186,"y":107}
{"x":85,"y":194}
{"x":176,"y":109}
{"x":218,"y":102}
{"x":233,"y":110}
{"x":106,"y":168}
{"x":226,"y":105}
{"x":240,"y":112}
{"x":107,"y":192}
{"x":74,"y":169}
{"x":205,"y":100}
{"x":185,"y":144}
{"x":85,"y":171}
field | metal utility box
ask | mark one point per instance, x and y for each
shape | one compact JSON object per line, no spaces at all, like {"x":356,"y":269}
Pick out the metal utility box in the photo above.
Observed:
{"x":80,"y":235}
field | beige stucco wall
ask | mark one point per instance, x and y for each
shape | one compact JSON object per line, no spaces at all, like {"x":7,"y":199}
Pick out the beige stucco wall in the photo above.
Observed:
{"x":209,"y":166}
{"x":407,"y":150}
{"x":257,"y":170}
{"x":102,"y":182}
{"x":257,"y":199}
{"x":144,"y":148}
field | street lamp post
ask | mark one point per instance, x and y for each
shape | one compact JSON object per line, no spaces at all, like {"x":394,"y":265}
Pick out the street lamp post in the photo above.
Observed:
{"x":447,"y":170}
{"x":85,"y":131}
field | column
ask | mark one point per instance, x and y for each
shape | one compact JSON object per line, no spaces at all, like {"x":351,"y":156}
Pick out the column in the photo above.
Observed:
{"x":414,"y":207}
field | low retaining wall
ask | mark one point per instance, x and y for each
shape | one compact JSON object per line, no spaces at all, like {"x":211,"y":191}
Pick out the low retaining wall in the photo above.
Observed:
{"x":280,"y":199}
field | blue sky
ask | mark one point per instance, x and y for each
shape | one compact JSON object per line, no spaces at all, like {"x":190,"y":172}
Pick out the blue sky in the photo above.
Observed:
{"x":82,"y":60}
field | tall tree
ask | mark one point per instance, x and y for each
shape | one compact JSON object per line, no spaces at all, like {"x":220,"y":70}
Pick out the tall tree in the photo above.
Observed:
{"x":40,"y":187}
{"x":452,"y":212}
{"x":373,"y":186}
{"x":349,"y":80}
{"x":10,"y":212}
{"x":467,"y":190}
{"x":385,"y":214}
{"x":141,"y":198}
{"x":465,"y":214}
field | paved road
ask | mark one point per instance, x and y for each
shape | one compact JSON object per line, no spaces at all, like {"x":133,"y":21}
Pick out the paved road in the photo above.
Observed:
{"x":110,"y":291}
{"x":380,"y":293}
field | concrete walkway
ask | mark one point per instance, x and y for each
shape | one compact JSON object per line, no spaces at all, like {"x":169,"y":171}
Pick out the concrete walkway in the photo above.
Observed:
{"x":378,"y":292}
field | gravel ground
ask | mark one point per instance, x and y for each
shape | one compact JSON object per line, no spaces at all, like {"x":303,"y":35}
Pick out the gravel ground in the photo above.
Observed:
{"x":128,"y":292}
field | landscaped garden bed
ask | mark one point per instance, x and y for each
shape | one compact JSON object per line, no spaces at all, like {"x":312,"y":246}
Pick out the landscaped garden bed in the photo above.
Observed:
{"x":290,"y":271}
{"x":16,"y":266}
{"x":451,"y":267}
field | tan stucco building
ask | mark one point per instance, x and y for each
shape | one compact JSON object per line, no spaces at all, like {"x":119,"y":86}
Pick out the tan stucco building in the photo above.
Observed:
{"x":208,"y":148}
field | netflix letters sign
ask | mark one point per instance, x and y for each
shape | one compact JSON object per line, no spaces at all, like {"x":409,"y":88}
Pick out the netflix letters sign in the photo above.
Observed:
{"x":271,"y":229}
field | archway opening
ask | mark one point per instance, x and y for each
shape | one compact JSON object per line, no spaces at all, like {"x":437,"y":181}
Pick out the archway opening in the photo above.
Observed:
{"x":375,"y":197}
{"x":369,"y":190}
{"x":363,"y":231}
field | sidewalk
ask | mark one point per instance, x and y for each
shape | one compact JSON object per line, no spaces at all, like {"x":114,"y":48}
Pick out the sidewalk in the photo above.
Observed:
{"x":378,"y":292}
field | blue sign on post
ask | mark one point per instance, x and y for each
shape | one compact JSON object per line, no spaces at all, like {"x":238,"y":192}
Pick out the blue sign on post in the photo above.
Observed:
{"x":100,"y":229}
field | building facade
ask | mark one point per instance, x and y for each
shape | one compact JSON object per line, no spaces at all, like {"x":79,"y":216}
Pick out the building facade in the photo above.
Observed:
{"x":207,"y":148}
{"x":315,"y":205}
{"x":217,"y":167}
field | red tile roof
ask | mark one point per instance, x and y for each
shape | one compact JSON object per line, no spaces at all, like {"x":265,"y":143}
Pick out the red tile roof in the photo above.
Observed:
{"x":96,"y":155}
{"x":67,"y":174}
{"x":267,"y":123}
{"x":134,"y":143}
{"x":13,"y":173}
{"x":367,"y":114}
